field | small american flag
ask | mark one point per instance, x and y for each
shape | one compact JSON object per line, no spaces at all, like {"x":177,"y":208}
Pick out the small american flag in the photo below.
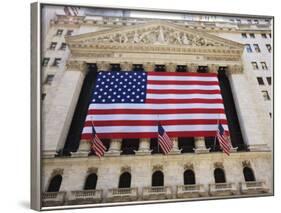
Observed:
{"x":223,"y":140}
{"x":164,"y":141}
{"x":97,"y":145}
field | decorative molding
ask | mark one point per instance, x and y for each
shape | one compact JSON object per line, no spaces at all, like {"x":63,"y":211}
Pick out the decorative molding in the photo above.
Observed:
{"x":246,"y":163}
{"x":58,"y":171}
{"x":125,"y":169}
{"x":76,"y":65}
{"x":218,"y":165}
{"x":157,"y":167}
{"x":92,"y":170}
{"x":188,"y":166}
{"x":235,"y":69}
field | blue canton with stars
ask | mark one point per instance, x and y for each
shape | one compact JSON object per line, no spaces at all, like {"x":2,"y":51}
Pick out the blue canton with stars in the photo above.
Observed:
{"x":120,"y":87}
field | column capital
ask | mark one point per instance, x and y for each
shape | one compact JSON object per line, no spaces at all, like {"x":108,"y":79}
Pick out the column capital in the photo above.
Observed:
{"x":126,"y":66}
{"x":77,"y":65}
{"x":144,"y":147}
{"x":175,"y":150}
{"x":103,"y":66}
{"x":171,"y":67}
{"x":200,"y":146}
{"x":234,"y":69}
{"x":213,"y":68}
{"x":149,"y":66}
{"x":192,"y":67}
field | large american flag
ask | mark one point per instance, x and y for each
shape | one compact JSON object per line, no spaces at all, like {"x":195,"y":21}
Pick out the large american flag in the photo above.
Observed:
{"x":130,"y":104}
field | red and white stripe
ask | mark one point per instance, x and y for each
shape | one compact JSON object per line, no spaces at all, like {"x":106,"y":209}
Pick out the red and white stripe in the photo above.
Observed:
{"x":165,"y":143}
{"x":187,"y":104}
{"x":224,"y":143}
{"x":97,"y":146}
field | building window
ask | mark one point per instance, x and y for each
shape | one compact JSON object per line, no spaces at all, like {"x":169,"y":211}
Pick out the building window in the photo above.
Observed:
{"x":43,"y":95}
{"x":219,"y":175}
{"x":53,"y":45}
{"x":260,"y":81}
{"x":49,"y":79}
{"x":268,"y":80}
{"x":263,"y":65}
{"x":269,"y":35}
{"x":265,"y":95}
{"x":125,"y":180}
{"x":45,"y":62}
{"x":263,"y":35}
{"x":69,"y":32}
{"x":248,"y":174}
{"x":189,"y":177}
{"x":157,"y":178}
{"x":248,"y":48}
{"x":249,"y":21}
{"x":63,"y":46}
{"x":252,"y":35}
{"x":55,"y":184}
{"x":256,"y":21}
{"x":257,"y":48}
{"x":268,"y":47}
{"x":238,"y":21}
{"x":255,"y":65}
{"x":59,"y":32}
{"x":56,"y":62}
{"x":91,"y":182}
{"x":270,"y":115}
{"x":244,"y":35}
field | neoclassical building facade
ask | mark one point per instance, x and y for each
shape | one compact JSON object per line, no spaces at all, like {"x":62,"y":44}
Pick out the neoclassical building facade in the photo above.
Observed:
{"x":76,"y":48}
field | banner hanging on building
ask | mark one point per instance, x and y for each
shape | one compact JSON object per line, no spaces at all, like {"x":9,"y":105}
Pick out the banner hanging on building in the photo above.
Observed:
{"x":131,"y":104}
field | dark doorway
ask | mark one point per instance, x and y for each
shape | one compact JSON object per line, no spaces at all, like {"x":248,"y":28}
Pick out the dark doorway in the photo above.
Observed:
{"x":230,"y":111}
{"x":157,"y":178}
{"x":189,"y":177}
{"x":248,"y":174}
{"x":77,"y":123}
{"x":55,"y":184}
{"x":186,"y":145}
{"x":219,"y":175}
{"x":129,"y":146}
{"x":91,"y":182}
{"x":125,"y":180}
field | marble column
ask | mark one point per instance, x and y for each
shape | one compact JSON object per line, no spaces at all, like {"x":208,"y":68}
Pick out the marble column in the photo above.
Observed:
{"x":144,"y":147}
{"x":59,"y":114}
{"x":192,"y":67}
{"x":103,"y":66}
{"x":175,"y":150}
{"x":200,"y":146}
{"x":126,"y":66}
{"x":171,"y":67}
{"x":114,"y":148}
{"x":148,"y":66}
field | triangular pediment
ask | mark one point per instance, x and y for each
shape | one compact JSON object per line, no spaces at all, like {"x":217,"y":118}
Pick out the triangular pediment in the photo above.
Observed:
{"x":153,"y":34}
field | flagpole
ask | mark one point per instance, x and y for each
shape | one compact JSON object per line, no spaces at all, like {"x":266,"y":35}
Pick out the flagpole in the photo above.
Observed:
{"x":215,"y":140}
{"x":157,"y":130}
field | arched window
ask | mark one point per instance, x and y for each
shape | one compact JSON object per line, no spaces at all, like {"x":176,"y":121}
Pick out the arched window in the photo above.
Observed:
{"x":219,"y":175}
{"x":55,"y":184}
{"x":157,"y":178}
{"x":189,"y":177}
{"x":248,"y":174}
{"x":91,"y":182}
{"x":125,"y":180}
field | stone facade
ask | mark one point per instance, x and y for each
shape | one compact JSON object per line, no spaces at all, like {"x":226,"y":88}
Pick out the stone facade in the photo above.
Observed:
{"x":192,"y":44}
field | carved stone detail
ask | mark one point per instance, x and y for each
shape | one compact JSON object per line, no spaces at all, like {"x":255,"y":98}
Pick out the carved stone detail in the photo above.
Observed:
{"x":235,"y":69}
{"x":103,"y":66}
{"x":246,"y":163}
{"x":213,"y":68}
{"x":192,"y":67}
{"x":92,"y":170}
{"x":188,"y":166}
{"x":126,"y":66}
{"x":125,"y":169}
{"x":157,"y":168}
{"x":149,"y":66}
{"x":57,"y":172}
{"x":77,"y":65}
{"x":171,"y":67}
{"x":218,"y":165}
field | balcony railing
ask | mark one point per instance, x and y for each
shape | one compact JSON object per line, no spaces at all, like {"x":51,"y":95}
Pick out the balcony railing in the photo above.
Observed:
{"x":84,"y":197}
{"x":254,"y":187}
{"x":53,"y":198}
{"x":122,"y":194}
{"x":221,"y":189}
{"x":157,"y":192}
{"x":194,"y":190}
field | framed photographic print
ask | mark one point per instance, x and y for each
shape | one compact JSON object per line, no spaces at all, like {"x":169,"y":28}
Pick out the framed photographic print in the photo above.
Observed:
{"x":135,"y":106}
